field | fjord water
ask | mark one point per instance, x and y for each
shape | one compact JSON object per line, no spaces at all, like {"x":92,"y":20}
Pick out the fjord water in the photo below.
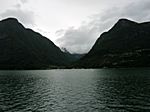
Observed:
{"x":75,"y":90}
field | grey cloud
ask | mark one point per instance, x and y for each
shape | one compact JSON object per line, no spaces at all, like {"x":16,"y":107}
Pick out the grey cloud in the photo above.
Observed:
{"x":77,"y":40}
{"x":26,"y":17}
{"x":81,"y":40}
{"x":24,"y":1}
{"x":17,"y":6}
{"x":59,"y":32}
{"x":138,"y":11}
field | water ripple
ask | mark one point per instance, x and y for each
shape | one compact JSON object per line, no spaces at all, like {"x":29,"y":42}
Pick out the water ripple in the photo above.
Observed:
{"x":104,"y":90}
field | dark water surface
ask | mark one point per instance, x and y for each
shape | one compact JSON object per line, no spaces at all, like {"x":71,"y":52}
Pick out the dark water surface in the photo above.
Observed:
{"x":91,"y":90}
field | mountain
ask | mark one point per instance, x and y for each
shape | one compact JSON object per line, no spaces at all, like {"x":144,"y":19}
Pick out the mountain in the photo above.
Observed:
{"x":73,"y":56}
{"x":126,"y":44}
{"x":22,"y":48}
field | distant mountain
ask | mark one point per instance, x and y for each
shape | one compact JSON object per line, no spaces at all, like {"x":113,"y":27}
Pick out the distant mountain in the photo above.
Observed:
{"x":63,"y":49}
{"x":73,"y":56}
{"x":127,"y":44}
{"x":22,"y":48}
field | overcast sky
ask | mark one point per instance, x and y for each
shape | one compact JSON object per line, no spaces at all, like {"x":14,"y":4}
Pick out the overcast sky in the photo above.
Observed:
{"x":74,"y":24}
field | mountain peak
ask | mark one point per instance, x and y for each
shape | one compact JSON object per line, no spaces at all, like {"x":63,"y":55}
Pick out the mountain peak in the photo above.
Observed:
{"x":23,"y":48}
{"x":10,"y":20}
{"x":11,"y":23}
{"x":125,"y":22}
{"x":126,"y":44}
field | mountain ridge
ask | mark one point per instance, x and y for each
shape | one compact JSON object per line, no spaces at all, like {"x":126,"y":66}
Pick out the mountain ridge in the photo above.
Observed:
{"x":23,"y":48}
{"x":126,"y":44}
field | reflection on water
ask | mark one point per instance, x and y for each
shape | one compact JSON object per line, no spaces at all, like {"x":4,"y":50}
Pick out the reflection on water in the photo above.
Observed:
{"x":101,"y":90}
